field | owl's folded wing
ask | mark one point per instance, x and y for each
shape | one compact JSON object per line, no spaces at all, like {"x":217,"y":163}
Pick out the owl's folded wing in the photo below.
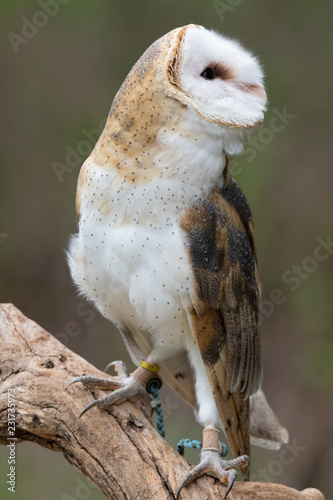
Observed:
{"x":224,"y":318}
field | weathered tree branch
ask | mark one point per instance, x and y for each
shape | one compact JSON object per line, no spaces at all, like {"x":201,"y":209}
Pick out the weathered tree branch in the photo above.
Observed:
{"x":118,"y":450}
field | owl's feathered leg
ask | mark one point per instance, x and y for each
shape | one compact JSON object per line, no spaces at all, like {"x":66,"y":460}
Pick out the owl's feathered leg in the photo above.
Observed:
{"x":124,"y":387}
{"x":211,"y":461}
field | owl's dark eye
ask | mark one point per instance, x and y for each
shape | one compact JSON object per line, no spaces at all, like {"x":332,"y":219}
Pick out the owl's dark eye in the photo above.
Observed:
{"x":208,"y":74}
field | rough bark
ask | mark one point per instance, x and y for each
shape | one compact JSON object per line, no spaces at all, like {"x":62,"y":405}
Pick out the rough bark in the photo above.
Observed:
{"x":118,"y":450}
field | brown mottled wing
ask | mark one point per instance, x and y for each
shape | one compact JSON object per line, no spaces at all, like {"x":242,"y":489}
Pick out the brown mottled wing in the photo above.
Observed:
{"x":224,"y":319}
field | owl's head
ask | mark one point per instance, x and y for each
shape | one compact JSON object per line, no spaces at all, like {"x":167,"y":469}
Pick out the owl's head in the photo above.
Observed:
{"x":190,"y":77}
{"x":215,"y":75}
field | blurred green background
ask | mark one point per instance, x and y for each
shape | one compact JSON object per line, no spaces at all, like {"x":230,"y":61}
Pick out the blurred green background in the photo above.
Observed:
{"x":57,"y":85}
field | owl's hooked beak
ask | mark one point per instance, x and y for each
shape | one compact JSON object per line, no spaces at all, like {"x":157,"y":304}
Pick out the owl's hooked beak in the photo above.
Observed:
{"x":254,"y":89}
{"x":260,"y":91}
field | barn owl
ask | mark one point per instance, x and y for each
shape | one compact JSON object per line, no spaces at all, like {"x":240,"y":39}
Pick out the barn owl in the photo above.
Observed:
{"x":165,"y":247}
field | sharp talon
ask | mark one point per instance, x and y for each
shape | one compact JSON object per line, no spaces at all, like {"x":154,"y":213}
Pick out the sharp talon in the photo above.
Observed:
{"x":212,"y":462}
{"x":189,"y":477}
{"x":181,"y":486}
{"x":246,"y":477}
{"x":113,"y":363}
{"x":120,"y":368}
{"x":77,"y":379}
{"x":230,"y":485}
{"x":88,"y":407}
{"x":123,"y":389}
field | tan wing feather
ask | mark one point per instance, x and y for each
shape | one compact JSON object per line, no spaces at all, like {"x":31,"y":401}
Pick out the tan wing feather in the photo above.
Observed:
{"x":224,"y":319}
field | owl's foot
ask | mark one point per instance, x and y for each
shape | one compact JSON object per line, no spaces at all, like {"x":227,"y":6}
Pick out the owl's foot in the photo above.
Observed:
{"x":211,"y":461}
{"x":124,"y":388}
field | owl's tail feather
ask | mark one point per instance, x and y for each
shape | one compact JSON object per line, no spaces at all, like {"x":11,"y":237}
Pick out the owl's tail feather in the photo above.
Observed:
{"x":233,"y":411}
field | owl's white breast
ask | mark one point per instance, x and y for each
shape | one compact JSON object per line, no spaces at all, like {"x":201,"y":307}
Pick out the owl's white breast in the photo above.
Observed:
{"x":129,"y":256}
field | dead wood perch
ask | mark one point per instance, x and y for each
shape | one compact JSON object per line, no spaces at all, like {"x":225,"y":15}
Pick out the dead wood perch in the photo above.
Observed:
{"x":118,"y":450}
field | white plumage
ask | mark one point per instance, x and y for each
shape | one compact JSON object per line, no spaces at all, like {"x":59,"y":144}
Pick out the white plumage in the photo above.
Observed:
{"x":186,"y":108}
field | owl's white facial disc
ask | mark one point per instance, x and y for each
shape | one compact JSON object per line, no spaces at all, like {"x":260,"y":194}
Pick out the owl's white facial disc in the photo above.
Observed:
{"x":222,"y":81}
